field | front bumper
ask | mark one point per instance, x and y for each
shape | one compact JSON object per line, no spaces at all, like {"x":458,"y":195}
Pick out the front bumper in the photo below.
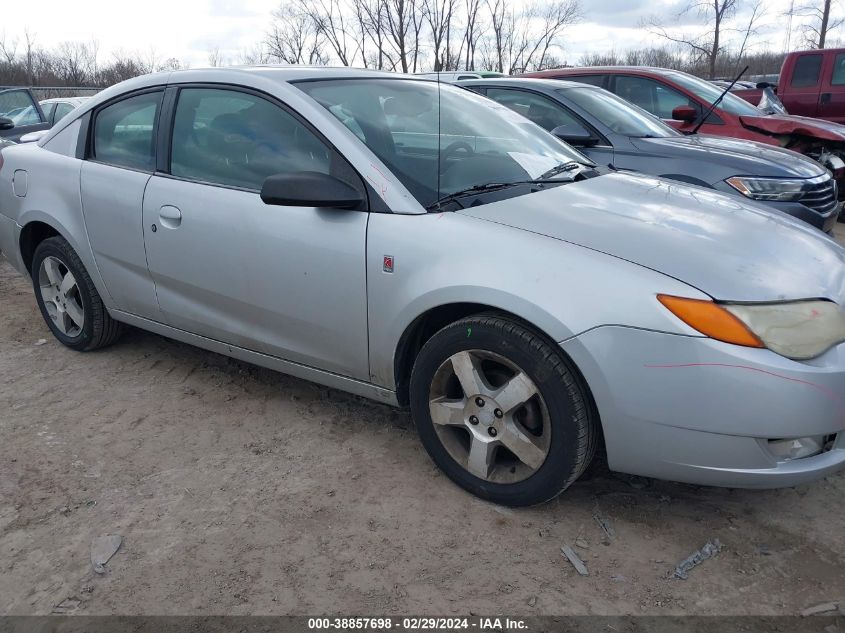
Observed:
{"x":696,"y":410}
{"x":824,"y":221}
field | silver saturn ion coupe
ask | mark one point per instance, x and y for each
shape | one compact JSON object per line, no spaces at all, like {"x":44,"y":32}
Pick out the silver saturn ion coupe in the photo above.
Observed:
{"x":418,"y":244}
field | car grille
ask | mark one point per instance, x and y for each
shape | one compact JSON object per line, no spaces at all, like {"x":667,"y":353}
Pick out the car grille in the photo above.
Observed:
{"x":820,"y":194}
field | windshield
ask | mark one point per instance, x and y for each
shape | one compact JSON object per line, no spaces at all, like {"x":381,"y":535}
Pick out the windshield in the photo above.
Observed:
{"x":439,"y":139}
{"x":616,"y":113}
{"x":706,"y":91}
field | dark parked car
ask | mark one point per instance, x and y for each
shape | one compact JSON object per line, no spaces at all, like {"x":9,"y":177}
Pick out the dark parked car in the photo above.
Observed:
{"x":611,"y":131}
{"x":682,"y":100}
{"x":20,"y":114}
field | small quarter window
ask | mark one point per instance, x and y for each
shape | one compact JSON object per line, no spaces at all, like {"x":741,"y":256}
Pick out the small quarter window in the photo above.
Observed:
{"x":124,"y":132}
{"x":838,"y":78}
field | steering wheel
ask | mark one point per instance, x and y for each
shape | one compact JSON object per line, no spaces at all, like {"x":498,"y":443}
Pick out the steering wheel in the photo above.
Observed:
{"x":452,"y":148}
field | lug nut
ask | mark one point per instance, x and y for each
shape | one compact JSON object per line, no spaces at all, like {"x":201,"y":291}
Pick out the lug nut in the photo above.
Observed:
{"x":498,"y":413}
{"x":473,"y":419}
{"x":479,"y":402}
{"x":492,"y":431}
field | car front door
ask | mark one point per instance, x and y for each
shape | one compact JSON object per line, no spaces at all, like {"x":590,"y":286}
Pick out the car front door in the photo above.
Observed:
{"x":803,"y":87}
{"x":285,"y":281}
{"x":18,"y":105}
{"x":120,"y":160}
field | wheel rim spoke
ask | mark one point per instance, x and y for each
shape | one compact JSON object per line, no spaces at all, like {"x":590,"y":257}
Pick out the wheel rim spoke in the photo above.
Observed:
{"x":515,"y":392}
{"x":75,"y":313}
{"x":61,"y":321}
{"x":523,"y":447}
{"x":447,"y":412}
{"x":68,"y":282}
{"x":468,"y":370}
{"x":481,"y":456}
{"x":51,"y":267}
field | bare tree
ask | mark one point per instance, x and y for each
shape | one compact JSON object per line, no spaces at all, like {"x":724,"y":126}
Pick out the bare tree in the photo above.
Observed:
{"x":819,"y":24}
{"x":438,"y":14}
{"x":295,"y":37}
{"x":707,"y":44}
{"x":401,"y":32}
{"x":472,"y":32}
{"x":215,"y":57}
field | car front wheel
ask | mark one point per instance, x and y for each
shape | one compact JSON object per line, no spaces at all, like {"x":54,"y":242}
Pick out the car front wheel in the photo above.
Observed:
{"x":68,"y":300}
{"x":501,"y":411}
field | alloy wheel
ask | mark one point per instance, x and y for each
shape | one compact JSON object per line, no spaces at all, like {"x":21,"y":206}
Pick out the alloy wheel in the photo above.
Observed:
{"x":490,"y":416}
{"x":61,"y":296}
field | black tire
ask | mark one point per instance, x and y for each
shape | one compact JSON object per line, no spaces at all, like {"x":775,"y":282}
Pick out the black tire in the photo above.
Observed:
{"x":574,"y":432}
{"x":99,"y":329}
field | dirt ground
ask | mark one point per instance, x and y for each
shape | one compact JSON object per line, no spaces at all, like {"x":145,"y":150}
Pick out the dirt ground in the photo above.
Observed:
{"x":239,"y":490}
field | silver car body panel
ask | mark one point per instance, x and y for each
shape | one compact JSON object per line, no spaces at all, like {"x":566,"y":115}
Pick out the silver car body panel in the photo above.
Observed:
{"x":730,"y":249}
{"x":582,"y":262}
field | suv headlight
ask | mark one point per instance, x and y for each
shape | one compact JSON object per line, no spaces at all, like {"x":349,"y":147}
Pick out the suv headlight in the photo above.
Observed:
{"x":768,"y":189}
{"x":794,"y":329}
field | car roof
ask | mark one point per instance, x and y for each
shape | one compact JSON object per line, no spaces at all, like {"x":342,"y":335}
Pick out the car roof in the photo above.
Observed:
{"x":526,"y":82}
{"x":593,"y":70}
{"x":286,"y":73}
{"x":76,"y":100}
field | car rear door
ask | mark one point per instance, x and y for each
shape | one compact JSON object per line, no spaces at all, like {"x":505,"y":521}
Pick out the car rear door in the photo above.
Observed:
{"x":120,"y":159}
{"x":20,"y":106}
{"x":802,"y":88}
{"x":285,"y":281}
{"x":832,"y":92}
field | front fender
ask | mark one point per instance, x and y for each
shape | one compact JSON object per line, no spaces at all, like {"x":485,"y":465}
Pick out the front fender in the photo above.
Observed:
{"x":560,"y":288}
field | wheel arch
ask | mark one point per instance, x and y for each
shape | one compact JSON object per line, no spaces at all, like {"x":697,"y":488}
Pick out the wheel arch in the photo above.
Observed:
{"x":424,"y":326}
{"x":32,"y":234}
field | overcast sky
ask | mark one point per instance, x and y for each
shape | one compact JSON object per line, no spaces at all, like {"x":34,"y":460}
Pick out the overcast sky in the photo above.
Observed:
{"x":189,"y":29}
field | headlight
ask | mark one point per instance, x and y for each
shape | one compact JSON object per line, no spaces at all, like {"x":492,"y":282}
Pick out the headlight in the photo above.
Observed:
{"x":768,"y":189}
{"x":795,"y":329}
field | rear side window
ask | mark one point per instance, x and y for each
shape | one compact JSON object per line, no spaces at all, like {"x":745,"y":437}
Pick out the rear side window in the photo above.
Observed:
{"x":838,"y":77}
{"x":124,"y":132}
{"x":238,"y":139}
{"x":806,"y":71}
{"x":62,"y":110}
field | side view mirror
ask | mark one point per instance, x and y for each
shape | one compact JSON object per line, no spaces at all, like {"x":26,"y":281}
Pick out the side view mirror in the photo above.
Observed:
{"x":6,"y":124}
{"x":575,"y":135}
{"x":33,"y":137}
{"x":685,"y":113}
{"x":310,"y":189}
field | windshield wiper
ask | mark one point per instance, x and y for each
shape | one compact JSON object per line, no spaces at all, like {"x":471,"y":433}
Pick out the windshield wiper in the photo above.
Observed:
{"x":717,"y":101}
{"x":559,"y":169}
{"x":484,"y":188}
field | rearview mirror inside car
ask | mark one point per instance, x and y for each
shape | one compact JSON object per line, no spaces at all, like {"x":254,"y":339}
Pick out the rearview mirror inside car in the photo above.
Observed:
{"x":310,"y":189}
{"x":6,"y":124}
{"x":685,"y":113}
{"x":575,"y":135}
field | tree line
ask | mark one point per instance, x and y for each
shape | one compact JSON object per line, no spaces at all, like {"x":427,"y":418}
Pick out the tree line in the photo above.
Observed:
{"x":442,"y":35}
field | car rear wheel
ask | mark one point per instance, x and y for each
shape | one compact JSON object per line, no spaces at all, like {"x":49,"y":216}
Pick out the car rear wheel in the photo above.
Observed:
{"x":501,"y":411}
{"x":68,"y":300}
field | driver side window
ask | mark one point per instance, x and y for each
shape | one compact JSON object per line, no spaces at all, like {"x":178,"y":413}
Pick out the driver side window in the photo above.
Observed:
{"x":237,"y":139}
{"x":536,"y":108}
{"x":650,"y":95}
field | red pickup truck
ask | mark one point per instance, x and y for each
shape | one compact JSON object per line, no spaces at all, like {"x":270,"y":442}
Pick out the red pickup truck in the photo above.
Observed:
{"x":812,"y":83}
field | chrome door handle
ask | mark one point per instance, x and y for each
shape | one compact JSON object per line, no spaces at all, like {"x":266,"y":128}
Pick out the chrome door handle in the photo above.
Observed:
{"x":170,"y":216}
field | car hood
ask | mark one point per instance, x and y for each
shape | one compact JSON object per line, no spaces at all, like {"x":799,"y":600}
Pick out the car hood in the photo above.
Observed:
{"x":725,"y":247}
{"x":800,"y":125}
{"x":740,"y":158}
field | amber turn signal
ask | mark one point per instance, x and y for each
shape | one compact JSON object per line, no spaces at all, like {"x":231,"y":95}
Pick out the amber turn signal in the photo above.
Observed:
{"x":711,"y":319}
